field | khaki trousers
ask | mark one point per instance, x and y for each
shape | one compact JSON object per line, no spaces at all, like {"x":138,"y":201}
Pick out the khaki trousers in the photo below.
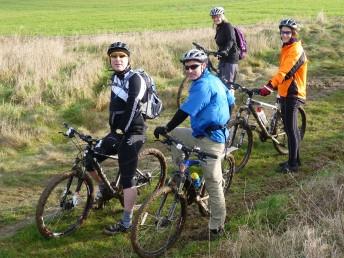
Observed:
{"x":211,"y":169}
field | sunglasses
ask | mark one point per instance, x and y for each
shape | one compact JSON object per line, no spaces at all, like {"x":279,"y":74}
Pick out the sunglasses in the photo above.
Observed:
{"x":118,"y":55}
{"x":288,"y":32}
{"x":192,"y":67}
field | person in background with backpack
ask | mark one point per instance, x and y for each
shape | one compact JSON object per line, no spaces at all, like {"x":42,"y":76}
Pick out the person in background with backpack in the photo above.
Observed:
{"x":290,"y":82}
{"x":208,"y":106}
{"x":127,"y":134}
{"x":228,"y":52}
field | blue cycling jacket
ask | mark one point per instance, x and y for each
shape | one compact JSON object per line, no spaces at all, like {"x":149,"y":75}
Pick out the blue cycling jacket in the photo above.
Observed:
{"x":208,"y":106}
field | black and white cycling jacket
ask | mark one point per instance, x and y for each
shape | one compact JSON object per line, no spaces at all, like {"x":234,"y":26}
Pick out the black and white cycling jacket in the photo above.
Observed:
{"x":127,"y":91}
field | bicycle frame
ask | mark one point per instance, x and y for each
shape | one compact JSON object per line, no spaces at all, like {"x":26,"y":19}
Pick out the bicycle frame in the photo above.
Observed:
{"x":89,"y":151}
{"x":249,"y":107}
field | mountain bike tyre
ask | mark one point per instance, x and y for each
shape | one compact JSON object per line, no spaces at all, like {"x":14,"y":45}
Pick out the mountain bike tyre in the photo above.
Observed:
{"x":70,"y":216}
{"x":151,"y":161}
{"x":161,"y":200}
{"x":243,"y":153}
{"x":182,"y":91}
{"x":282,"y":148}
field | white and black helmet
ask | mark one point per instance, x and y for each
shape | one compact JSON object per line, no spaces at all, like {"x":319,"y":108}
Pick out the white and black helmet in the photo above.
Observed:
{"x":288,"y":23}
{"x":118,"y":46}
{"x":217,"y":11}
{"x":194,"y":54}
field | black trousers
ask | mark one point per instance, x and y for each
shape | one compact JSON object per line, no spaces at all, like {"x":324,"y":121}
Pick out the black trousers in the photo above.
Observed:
{"x":127,"y":147}
{"x":289,"y":109}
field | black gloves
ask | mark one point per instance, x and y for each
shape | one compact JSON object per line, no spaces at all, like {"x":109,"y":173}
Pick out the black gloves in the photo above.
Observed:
{"x":160,"y":130}
{"x":222,"y":53}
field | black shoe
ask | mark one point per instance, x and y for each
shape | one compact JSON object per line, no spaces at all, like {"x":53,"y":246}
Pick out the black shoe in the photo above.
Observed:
{"x":288,"y":169}
{"x":282,"y":164}
{"x":116,"y":228}
{"x":210,"y":234}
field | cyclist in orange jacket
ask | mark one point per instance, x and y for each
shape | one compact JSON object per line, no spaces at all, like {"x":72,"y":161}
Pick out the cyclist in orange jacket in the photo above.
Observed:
{"x":290,"y":82}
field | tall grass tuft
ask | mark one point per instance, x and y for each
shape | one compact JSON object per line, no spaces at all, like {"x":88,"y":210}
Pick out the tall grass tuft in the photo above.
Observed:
{"x":314,"y":229}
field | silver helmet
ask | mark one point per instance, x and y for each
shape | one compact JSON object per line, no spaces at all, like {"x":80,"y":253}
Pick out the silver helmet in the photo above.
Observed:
{"x":194,"y":54}
{"x":217,"y":11}
{"x":288,"y":23}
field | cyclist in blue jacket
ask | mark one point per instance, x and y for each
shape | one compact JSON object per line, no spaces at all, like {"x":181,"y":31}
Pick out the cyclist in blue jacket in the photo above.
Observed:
{"x":208,"y":106}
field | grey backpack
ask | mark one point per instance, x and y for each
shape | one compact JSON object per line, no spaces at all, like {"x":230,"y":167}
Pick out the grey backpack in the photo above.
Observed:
{"x":151,"y":104}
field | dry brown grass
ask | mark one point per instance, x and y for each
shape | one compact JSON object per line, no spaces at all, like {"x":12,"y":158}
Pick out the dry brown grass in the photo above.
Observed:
{"x":315,"y":230}
{"x":44,"y":72}
{"x":60,"y":70}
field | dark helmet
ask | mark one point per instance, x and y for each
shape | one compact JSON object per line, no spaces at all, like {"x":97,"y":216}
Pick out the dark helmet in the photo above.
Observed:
{"x":118,"y":46}
{"x":288,"y":23}
{"x":217,"y":11}
{"x":194,"y":54}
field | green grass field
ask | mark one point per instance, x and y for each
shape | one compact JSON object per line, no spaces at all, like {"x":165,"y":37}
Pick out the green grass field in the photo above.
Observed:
{"x":44,"y":17}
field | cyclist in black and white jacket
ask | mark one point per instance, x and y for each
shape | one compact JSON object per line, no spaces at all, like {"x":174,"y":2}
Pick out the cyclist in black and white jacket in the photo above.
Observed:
{"x":128,"y":127}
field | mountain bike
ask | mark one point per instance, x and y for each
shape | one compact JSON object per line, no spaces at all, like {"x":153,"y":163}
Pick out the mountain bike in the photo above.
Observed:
{"x":160,"y":220}
{"x":183,"y":87}
{"x":241,"y":127}
{"x":68,"y":198}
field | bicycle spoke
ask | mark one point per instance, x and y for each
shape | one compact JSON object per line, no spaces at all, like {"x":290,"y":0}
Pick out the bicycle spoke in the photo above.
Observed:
{"x":151,"y":173}
{"x":158,"y":223}
{"x":60,"y":210}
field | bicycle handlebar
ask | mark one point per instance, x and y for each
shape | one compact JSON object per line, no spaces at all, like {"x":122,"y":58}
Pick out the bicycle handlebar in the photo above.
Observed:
{"x":169,"y":140}
{"x":249,"y":92}
{"x":208,"y":52}
{"x":71,"y":132}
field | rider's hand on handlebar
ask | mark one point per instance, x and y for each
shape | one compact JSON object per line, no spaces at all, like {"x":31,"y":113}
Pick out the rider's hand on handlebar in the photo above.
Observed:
{"x":265,"y":90}
{"x":160,"y":130}
{"x":222,"y":53}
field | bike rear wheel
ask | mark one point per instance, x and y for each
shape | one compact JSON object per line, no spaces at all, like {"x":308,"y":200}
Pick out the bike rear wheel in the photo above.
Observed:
{"x":302,"y":121}
{"x":182,"y":91}
{"x":228,"y":170}
{"x":240,"y":138}
{"x":64,"y":204}
{"x":158,"y":223}
{"x":150,"y":173}
{"x":279,"y":132}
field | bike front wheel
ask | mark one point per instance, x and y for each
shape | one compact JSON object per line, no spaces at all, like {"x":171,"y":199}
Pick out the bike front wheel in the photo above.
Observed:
{"x":241,"y":139}
{"x":64,"y":204}
{"x":158,"y":223}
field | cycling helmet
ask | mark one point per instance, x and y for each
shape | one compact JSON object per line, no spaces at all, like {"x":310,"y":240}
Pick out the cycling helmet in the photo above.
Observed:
{"x":194,"y":54}
{"x":118,"y":46}
{"x":217,"y":11}
{"x":288,"y":23}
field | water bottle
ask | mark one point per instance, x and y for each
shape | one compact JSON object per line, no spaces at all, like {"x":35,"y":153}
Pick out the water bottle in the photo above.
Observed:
{"x":262,"y":116}
{"x":196,"y":180}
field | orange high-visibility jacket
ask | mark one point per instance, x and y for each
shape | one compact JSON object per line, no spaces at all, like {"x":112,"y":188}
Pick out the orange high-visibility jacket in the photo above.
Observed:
{"x":290,"y":80}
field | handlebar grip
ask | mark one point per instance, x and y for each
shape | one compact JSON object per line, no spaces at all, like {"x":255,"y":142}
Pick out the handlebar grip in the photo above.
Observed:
{"x":210,"y":155}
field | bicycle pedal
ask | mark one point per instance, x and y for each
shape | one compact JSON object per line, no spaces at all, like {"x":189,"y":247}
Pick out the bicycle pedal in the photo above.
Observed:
{"x":262,"y":137}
